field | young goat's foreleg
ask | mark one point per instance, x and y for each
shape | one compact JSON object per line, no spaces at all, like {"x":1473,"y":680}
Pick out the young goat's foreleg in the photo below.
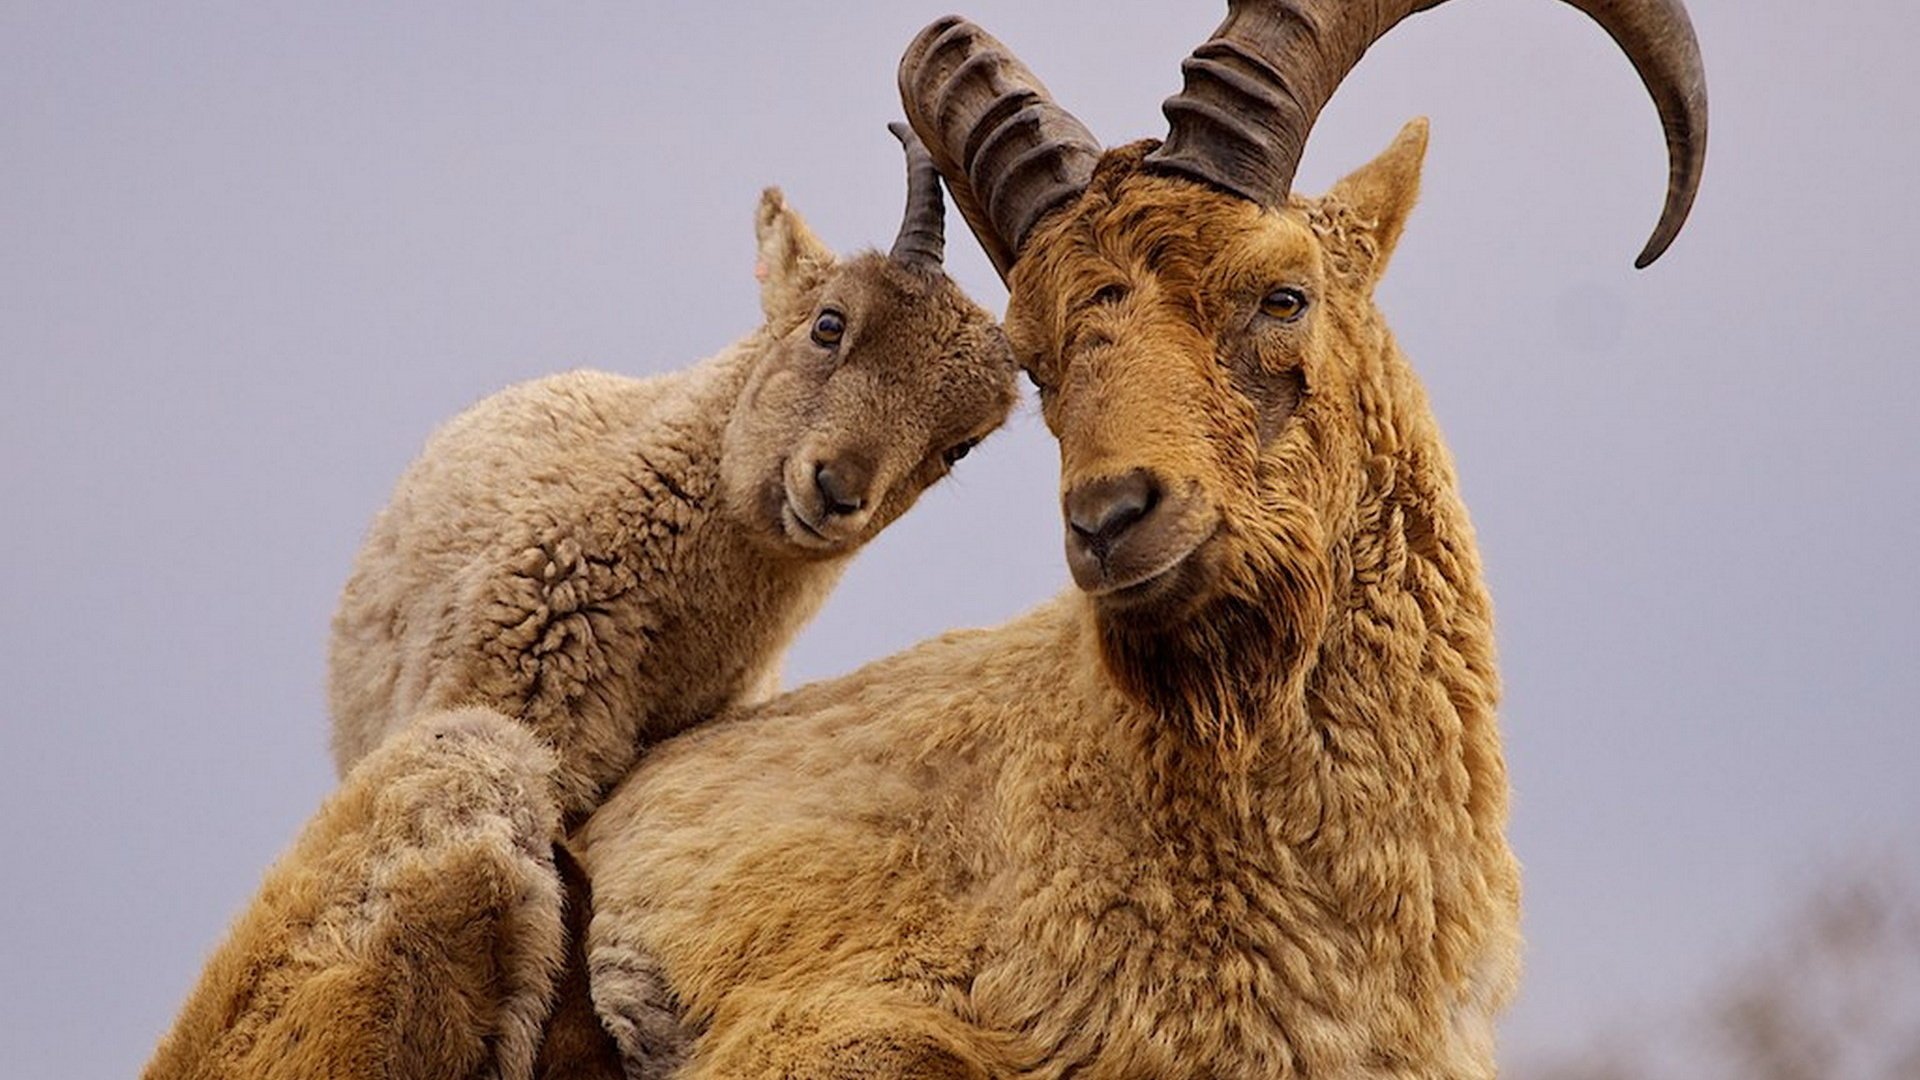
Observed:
{"x":635,"y":1004}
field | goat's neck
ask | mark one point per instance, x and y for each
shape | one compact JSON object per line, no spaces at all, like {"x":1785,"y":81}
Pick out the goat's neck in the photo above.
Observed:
{"x":743,"y":600}
{"x":1339,"y":699}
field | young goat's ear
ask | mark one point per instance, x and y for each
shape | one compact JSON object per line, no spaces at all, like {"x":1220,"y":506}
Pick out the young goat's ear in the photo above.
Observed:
{"x":1380,"y":195}
{"x":793,"y":261}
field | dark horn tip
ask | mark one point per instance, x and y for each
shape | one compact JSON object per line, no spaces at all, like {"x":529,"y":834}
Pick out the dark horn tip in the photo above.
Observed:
{"x":1687,"y":156}
{"x":1664,"y":234}
{"x":1655,"y":248}
{"x":922,"y":237}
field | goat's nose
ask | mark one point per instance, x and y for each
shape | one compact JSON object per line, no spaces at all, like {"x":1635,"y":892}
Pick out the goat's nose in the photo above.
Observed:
{"x":843,"y":486}
{"x":1099,"y":511}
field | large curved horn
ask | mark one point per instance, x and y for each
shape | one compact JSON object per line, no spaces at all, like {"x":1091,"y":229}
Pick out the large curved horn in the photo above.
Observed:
{"x":923,"y":227}
{"x":1253,"y":90}
{"x":1008,"y":152}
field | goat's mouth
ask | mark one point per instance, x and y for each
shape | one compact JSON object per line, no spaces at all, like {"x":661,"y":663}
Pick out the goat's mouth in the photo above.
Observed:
{"x":804,"y":534}
{"x":803,"y":522}
{"x":1134,"y":538}
{"x":1163,"y":586}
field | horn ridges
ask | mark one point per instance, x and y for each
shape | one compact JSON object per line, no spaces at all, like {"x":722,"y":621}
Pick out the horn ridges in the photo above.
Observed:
{"x":923,"y":225}
{"x":1009,"y":153}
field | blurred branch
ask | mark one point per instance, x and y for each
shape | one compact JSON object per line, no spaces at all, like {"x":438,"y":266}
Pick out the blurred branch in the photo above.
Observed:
{"x":1832,"y":994}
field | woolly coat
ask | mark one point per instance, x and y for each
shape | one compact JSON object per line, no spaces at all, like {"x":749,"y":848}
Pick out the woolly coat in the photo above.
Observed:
{"x":981,"y":836}
{"x":557,"y":553}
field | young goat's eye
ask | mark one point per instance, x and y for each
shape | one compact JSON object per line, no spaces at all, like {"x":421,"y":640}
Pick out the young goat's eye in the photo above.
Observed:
{"x":958,"y":451}
{"x":1285,"y":304}
{"x":828,"y":328}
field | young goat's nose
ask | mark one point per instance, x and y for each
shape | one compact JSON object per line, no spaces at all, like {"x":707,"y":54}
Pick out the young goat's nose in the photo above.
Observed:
{"x":843,"y":486}
{"x":1100,"y":511}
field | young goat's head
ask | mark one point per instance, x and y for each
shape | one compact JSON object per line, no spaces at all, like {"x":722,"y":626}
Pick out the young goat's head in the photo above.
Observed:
{"x":878,"y":375}
{"x":1231,"y":414}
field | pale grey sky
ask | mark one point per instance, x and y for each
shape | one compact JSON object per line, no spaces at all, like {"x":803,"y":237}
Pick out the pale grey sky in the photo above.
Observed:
{"x":251,"y":253}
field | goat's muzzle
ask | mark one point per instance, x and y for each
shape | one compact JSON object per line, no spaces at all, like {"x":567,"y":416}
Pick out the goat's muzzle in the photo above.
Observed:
{"x":828,"y":501}
{"x":1128,"y":534}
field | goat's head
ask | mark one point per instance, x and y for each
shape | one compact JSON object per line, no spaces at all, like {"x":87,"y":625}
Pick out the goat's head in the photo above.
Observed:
{"x":1205,"y":343}
{"x":1198,"y":358}
{"x":879,"y":375}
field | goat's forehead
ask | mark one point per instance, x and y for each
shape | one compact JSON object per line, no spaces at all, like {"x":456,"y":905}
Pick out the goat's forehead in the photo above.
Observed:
{"x":917,"y":323}
{"x":884,"y":278}
{"x":1175,"y":230}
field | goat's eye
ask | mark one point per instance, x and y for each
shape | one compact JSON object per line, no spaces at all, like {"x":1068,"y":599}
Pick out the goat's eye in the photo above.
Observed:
{"x":956,"y":452}
{"x":1285,"y":304}
{"x":828,"y":328}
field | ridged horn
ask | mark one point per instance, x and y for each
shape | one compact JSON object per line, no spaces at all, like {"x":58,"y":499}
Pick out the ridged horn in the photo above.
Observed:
{"x":1008,"y":152}
{"x":1253,"y":91}
{"x":923,"y":226}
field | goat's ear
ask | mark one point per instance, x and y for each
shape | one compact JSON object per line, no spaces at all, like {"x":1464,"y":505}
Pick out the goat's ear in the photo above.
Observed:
{"x":1381,"y":195}
{"x":793,"y":261}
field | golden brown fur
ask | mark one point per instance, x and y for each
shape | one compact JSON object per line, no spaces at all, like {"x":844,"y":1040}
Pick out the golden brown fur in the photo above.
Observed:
{"x":610,"y":559}
{"x":413,"y":930}
{"x":1241,"y":818}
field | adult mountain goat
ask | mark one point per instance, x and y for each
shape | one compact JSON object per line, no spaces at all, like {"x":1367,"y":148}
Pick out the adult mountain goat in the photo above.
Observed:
{"x":1234,"y":808}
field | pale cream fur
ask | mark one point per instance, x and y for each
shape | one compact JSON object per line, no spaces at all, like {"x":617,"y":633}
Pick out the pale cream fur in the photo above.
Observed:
{"x":604,"y":558}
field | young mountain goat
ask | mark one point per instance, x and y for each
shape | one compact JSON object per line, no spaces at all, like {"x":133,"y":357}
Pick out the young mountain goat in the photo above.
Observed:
{"x":1236,"y":808}
{"x":609,"y":559}
{"x":575,"y":567}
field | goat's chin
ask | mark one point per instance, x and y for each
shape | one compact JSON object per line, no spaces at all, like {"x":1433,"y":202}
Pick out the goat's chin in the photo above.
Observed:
{"x":1191,"y":642}
{"x":1167,"y":595}
{"x":770,"y":520}
{"x":804,"y":530}
{"x":806,"y":540}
